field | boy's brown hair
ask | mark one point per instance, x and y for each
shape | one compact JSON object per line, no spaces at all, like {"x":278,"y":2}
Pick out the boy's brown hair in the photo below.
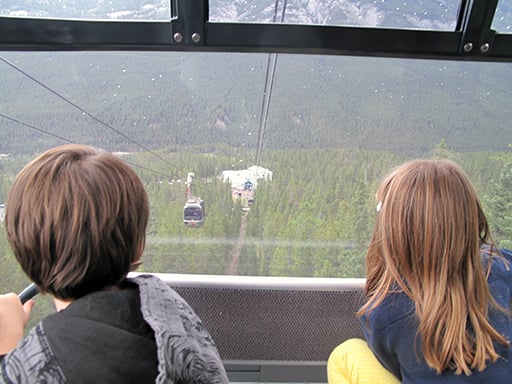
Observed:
{"x":76,"y":220}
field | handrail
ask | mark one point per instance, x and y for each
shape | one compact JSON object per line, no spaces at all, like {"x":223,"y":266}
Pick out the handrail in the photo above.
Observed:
{"x":260,"y":282}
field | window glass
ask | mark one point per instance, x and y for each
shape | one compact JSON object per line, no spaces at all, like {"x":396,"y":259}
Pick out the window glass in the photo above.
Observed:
{"x":288,"y":180}
{"x":429,"y":14}
{"x":88,"y":9}
{"x":502,"y":22}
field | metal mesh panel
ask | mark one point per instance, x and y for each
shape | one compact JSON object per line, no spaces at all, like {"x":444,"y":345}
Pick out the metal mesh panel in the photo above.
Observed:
{"x":284,"y":325}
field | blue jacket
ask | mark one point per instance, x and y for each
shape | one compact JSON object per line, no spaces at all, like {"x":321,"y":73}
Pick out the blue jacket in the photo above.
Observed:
{"x":390,"y":331}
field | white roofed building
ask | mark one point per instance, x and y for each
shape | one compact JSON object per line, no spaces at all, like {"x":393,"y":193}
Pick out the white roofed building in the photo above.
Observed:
{"x":239,"y":178}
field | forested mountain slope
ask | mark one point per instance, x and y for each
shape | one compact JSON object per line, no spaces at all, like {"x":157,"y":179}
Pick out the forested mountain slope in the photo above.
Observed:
{"x":167,"y":99}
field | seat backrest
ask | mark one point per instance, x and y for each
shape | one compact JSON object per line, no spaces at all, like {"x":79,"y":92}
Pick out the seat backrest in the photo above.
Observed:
{"x":264,"y":326}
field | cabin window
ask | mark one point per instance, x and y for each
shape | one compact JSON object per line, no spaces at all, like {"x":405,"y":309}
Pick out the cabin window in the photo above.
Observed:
{"x":290,"y":193}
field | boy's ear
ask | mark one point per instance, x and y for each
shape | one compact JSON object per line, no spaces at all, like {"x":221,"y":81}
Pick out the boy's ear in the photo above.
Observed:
{"x":137,"y":261}
{"x":140,"y":249}
{"x":135,"y":264}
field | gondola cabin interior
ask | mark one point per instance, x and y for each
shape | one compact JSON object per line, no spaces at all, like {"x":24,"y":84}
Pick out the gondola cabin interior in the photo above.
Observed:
{"x":327,"y":96}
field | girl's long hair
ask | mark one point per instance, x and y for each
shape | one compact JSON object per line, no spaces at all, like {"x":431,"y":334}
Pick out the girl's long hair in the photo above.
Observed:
{"x":426,"y":242}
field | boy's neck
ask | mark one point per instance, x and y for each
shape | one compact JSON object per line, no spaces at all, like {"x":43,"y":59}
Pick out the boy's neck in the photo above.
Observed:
{"x":61,"y":304}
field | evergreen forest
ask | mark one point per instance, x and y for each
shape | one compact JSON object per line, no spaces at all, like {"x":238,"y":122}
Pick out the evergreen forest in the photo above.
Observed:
{"x":313,"y":219}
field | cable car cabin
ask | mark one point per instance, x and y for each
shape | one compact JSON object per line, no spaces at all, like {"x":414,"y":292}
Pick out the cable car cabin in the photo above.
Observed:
{"x":193,"y":213}
{"x":329,"y":95}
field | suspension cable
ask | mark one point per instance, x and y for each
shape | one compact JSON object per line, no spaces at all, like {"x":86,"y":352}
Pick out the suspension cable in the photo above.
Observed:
{"x":85,"y":112}
{"x":267,"y":93}
{"x":35,"y":128}
{"x":68,"y":141}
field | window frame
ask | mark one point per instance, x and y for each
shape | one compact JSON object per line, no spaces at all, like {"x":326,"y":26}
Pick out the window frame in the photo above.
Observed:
{"x":189,"y":29}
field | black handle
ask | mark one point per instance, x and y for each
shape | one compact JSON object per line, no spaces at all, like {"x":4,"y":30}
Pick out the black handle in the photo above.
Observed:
{"x":28,"y":293}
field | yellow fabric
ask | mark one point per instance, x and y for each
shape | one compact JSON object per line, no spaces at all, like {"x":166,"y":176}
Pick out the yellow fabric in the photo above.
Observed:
{"x":353,"y":362}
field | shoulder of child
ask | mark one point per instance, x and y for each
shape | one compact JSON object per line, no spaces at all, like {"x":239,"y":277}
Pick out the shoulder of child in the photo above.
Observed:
{"x":31,"y":361}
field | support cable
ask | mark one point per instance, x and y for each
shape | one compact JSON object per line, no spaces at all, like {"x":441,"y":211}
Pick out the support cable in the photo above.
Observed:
{"x":35,"y":128}
{"x":267,"y":93}
{"x":69,"y":141}
{"x":85,"y":111}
